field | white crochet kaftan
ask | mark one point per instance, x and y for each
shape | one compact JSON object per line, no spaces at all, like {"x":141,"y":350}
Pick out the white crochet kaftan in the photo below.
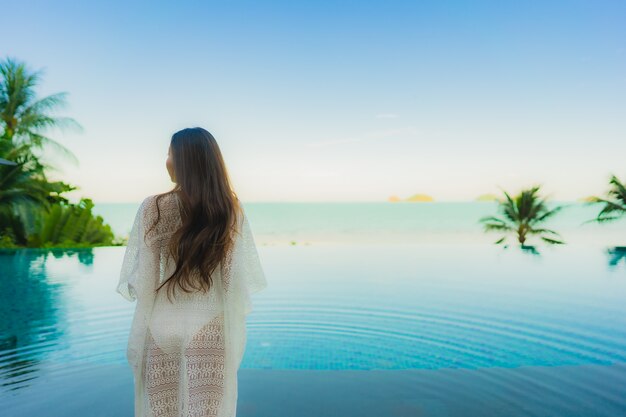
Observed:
{"x":185,"y":354}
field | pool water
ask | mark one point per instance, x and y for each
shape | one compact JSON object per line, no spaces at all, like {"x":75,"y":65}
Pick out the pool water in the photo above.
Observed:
{"x":345,"y":329}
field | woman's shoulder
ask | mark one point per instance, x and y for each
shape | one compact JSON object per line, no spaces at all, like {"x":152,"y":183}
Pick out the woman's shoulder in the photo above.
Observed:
{"x":163,"y":206}
{"x":165,"y":200}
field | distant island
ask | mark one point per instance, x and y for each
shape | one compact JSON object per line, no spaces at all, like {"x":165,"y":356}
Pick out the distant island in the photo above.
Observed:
{"x":487,"y":197}
{"x":415,"y":198}
{"x":589,"y":199}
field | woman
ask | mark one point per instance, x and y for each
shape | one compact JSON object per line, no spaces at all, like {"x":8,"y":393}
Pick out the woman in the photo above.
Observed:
{"x":191,"y":264}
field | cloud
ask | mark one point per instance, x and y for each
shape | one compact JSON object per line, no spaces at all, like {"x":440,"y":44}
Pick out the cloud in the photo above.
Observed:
{"x":387,"y":116}
{"x":378,"y":134}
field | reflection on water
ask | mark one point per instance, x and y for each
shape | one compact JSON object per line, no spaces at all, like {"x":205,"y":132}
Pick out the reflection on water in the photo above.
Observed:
{"x":32,"y":311}
{"x":466,"y":317}
{"x":617,"y":255}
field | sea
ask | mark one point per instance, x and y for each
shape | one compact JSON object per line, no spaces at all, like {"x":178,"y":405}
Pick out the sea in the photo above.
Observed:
{"x":314,"y":223}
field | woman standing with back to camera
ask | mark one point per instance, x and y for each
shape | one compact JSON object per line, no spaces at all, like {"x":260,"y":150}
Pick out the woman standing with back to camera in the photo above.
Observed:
{"x":191,"y":264}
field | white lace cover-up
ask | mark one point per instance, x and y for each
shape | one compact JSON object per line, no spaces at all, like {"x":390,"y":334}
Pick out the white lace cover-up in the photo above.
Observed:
{"x":185,"y":354}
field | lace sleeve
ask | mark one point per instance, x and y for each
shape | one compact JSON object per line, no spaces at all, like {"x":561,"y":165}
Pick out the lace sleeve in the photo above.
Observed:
{"x":253,"y":276}
{"x":242,"y":272}
{"x":242,"y":275}
{"x":127,"y":285}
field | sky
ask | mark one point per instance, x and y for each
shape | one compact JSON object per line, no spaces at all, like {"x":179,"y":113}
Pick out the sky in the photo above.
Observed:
{"x":335,"y":101}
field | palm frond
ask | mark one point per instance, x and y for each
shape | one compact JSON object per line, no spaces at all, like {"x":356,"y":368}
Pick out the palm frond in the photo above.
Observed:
{"x":552,"y":241}
{"x":40,"y":141}
{"x":604,"y":219}
{"x":618,"y":190}
{"x":497,"y":227}
{"x":540,"y":231}
{"x":548,"y":214}
{"x":491,"y":219}
{"x":51,"y":102}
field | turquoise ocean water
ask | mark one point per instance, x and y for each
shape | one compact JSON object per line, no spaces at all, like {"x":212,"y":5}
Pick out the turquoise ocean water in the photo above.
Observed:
{"x":383,"y":222}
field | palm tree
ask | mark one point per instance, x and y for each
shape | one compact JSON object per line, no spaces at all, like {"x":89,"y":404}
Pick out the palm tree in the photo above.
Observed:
{"x":523,"y":215}
{"x":614,"y":204}
{"x":23,"y":117}
{"x":24,"y":186}
{"x":23,"y":120}
{"x":22,"y":192}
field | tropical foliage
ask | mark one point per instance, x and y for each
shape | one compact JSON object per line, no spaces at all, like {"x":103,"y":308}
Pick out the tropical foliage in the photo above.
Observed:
{"x":523,"y":216}
{"x":33,"y":208}
{"x":71,"y":225}
{"x":614,"y":203}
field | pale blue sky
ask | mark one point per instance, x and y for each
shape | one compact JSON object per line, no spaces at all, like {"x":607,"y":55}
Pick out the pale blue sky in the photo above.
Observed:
{"x":337,"y":101}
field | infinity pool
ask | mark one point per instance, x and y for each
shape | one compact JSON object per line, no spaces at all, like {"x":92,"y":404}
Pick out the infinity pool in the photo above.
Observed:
{"x":350,"y":330}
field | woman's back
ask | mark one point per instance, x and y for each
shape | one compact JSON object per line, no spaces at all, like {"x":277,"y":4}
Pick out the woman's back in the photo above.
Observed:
{"x":175,"y":321}
{"x":185,"y":345}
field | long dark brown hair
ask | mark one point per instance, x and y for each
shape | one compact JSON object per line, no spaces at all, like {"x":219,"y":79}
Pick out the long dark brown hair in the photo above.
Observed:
{"x":209,"y":210}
